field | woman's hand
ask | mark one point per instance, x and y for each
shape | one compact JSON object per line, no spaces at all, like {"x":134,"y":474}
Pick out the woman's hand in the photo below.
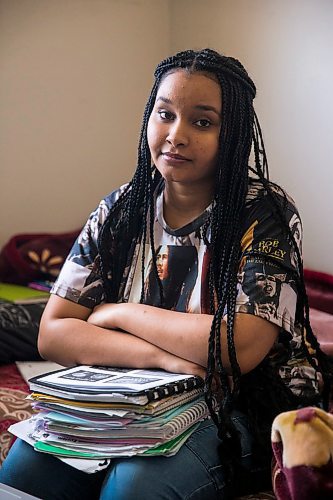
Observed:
{"x":174,"y":364}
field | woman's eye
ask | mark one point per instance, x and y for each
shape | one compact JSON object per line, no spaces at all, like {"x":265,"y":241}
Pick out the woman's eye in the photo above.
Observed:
{"x":203,"y":123}
{"x":165,"y":115}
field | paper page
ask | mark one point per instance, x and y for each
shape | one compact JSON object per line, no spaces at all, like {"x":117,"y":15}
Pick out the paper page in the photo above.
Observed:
{"x":108,"y":378}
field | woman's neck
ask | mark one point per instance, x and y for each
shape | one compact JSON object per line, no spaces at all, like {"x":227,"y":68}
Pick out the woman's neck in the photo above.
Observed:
{"x":183,"y":204}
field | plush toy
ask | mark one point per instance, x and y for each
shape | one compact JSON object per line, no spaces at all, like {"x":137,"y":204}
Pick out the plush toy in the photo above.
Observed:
{"x":302,"y":442}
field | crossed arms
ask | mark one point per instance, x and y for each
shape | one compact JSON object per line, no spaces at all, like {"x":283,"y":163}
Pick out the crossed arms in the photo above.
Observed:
{"x":141,"y":336}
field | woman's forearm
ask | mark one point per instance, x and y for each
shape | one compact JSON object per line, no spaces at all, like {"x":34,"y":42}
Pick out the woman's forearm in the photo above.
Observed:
{"x":182,"y":334}
{"x":72,"y":341}
{"x":186,"y":335}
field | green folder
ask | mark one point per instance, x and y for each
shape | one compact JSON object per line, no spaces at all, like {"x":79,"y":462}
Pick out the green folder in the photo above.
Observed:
{"x":22,"y":294}
{"x":56,"y":450}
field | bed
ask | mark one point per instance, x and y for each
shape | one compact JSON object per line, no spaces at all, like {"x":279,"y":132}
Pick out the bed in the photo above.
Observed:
{"x":18,"y":336}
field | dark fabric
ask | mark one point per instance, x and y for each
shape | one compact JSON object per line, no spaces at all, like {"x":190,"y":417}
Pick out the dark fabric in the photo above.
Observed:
{"x":319,"y":287}
{"x":19,"y":331}
{"x":27,"y":257}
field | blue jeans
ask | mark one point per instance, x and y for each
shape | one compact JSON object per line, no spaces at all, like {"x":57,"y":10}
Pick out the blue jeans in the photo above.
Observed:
{"x":194,"y":473}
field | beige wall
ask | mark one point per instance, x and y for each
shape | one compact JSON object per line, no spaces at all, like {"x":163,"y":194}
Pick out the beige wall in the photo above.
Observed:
{"x":74,"y":78}
{"x":75,"y":74}
{"x":287,"y":48}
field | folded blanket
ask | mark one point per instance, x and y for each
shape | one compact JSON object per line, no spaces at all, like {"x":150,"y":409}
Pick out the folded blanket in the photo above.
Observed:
{"x":302,"y":442}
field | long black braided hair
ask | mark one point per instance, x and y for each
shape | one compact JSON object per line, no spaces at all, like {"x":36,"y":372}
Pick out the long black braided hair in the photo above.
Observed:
{"x":131,"y":219}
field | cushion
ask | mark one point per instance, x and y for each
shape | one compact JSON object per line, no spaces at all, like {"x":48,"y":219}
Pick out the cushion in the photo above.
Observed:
{"x":28,"y":257}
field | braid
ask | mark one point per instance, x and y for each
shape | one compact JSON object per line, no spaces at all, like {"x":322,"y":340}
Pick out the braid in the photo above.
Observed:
{"x":127,"y":219}
{"x":132,"y":219}
{"x":303,"y":304}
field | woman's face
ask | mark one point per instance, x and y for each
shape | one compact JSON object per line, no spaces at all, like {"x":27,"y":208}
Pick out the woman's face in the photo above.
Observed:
{"x":184,"y":128}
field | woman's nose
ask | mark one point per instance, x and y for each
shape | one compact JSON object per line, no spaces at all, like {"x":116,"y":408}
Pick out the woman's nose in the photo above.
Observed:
{"x":177,"y":134}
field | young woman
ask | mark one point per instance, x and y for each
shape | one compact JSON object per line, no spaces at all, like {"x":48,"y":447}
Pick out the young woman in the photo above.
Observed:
{"x":193,"y":187}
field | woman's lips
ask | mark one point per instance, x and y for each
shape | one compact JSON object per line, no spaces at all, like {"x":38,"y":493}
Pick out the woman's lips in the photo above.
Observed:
{"x":173,"y":158}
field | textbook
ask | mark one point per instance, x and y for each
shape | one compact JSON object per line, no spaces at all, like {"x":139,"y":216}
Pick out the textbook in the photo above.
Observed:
{"x":18,"y":294}
{"x":109,"y":384}
{"x":71,"y":449}
{"x":107,"y":410}
{"x":166,"y":427}
{"x":87,"y":413}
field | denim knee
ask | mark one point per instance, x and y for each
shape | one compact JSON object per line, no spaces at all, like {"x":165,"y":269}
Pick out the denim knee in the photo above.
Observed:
{"x":47,"y":477}
{"x":194,"y":473}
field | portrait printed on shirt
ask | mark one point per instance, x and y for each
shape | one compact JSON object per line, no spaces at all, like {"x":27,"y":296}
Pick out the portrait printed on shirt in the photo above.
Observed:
{"x":266,"y":292}
{"x":301,"y":378}
{"x":177,"y":268}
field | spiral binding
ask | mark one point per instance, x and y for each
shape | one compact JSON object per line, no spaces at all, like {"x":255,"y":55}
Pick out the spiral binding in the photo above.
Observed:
{"x":174,"y":388}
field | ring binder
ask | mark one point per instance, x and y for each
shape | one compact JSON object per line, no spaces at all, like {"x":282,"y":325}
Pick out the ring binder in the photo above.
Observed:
{"x":94,"y":383}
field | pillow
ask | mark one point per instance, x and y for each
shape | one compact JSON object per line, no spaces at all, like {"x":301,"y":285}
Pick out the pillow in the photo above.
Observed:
{"x":28,"y":257}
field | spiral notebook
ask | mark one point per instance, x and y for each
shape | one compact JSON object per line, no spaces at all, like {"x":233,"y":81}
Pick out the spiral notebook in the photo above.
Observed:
{"x":171,"y":425}
{"x":110,"y":384}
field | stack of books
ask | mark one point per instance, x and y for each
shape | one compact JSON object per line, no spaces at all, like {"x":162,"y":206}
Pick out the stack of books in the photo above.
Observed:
{"x":96,"y":412}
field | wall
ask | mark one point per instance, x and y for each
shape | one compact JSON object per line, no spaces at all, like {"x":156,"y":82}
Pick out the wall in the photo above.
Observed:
{"x":287,"y":48}
{"x":74,"y":78}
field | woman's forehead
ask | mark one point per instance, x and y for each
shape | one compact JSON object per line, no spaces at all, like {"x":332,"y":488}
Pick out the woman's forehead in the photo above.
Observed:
{"x":184,"y":84}
{"x":189,"y":72}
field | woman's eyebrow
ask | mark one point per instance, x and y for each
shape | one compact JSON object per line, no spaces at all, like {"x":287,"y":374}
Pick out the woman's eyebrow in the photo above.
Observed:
{"x":202,"y":107}
{"x":164,"y":99}
{"x":206,"y":107}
